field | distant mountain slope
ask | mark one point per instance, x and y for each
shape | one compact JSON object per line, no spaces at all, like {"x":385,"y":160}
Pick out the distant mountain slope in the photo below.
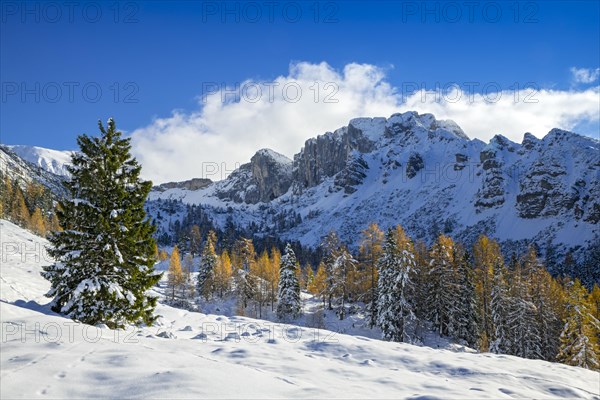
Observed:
{"x":23,"y":172}
{"x":54,"y":161}
{"x":423,"y":173}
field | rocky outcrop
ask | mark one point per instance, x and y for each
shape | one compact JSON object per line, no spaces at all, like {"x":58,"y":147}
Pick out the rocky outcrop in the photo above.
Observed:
{"x":461,"y":161}
{"x":328,"y":154}
{"x":529,"y":142}
{"x":414,"y":164}
{"x":491,"y":194}
{"x":321,"y":157}
{"x":192,"y":184}
{"x":267,"y":176}
{"x":353,"y":174}
{"x":272,"y":173}
{"x":564,"y":179}
{"x":543,"y":192}
{"x":239,"y":186}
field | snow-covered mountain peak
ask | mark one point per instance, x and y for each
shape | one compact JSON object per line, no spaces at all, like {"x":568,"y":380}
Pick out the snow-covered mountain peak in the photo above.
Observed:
{"x":412,"y":127}
{"x":529,"y":141}
{"x":273,"y":155}
{"x":54,"y":161}
{"x":562,"y":137}
{"x":501,"y":142}
{"x":372,"y":128}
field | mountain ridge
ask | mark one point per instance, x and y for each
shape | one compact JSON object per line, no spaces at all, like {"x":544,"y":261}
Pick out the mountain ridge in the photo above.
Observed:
{"x":423,"y":173}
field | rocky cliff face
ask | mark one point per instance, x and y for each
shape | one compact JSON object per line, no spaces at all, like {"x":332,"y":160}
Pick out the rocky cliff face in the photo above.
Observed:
{"x":353,"y":174}
{"x":562,"y":179}
{"x":491,"y":193}
{"x":267,"y":176}
{"x":192,"y":184}
{"x":328,"y":154}
{"x":272,"y":174}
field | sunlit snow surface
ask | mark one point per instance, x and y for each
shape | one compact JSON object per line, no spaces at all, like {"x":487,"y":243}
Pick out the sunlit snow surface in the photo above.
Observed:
{"x":44,"y":355}
{"x":54,"y":161}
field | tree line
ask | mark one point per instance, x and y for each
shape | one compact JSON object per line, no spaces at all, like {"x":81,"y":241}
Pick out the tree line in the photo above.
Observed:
{"x":406,"y":288}
{"x":28,"y":204}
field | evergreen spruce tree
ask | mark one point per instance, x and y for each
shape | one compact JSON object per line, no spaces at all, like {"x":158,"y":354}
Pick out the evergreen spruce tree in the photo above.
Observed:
{"x":395,"y":289}
{"x":500,"y":304}
{"x":466,"y":319}
{"x":579,"y":338}
{"x":548,"y":297}
{"x":288,"y":294}
{"x":370,"y":251}
{"x":442,"y":287}
{"x":245,"y":282}
{"x":206,"y":271}
{"x":521,"y":322}
{"x":331,"y":246}
{"x":342,"y":269}
{"x":105,"y":262}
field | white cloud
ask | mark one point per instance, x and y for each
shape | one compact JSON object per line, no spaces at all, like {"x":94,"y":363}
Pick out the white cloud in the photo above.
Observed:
{"x":507,"y":112}
{"x":585,"y":75}
{"x":176,"y":147}
{"x":222,"y":134}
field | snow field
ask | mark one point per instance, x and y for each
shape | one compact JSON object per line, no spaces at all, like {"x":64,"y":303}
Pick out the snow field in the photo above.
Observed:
{"x":196,"y":355}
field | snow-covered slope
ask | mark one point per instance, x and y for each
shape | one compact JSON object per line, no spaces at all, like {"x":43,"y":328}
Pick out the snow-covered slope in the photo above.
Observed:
{"x":54,"y":161}
{"x":193,"y":355}
{"x":24,"y":172}
{"x":422,"y":173}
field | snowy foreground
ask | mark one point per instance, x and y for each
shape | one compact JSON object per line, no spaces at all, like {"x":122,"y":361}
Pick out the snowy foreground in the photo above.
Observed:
{"x":209,"y":356}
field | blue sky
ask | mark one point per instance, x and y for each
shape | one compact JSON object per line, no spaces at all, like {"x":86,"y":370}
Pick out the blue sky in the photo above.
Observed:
{"x":159,"y":54}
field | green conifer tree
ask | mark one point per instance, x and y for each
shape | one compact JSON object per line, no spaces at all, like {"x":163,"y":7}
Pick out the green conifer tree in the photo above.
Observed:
{"x":288,"y":297}
{"x":206,"y":271}
{"x":105,"y":254}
